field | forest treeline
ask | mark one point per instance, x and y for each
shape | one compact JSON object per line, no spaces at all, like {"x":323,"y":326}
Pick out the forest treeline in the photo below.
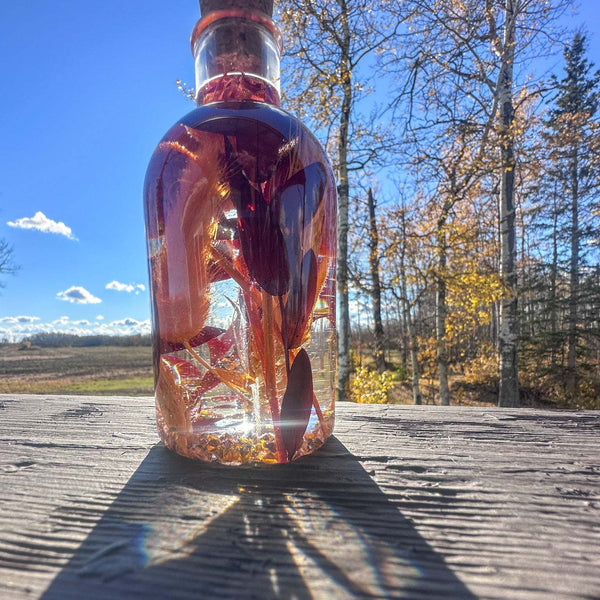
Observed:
{"x":465,"y":138}
{"x":58,"y":340}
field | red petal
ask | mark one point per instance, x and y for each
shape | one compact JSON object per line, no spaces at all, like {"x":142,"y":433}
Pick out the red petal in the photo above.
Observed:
{"x":185,"y":372}
{"x":300,"y":301}
{"x":183,"y":369}
{"x":297,"y":403}
{"x":300,"y":197}
{"x":221,"y":345}
{"x":206,"y":334}
{"x":258,"y":229}
{"x":209,"y":381}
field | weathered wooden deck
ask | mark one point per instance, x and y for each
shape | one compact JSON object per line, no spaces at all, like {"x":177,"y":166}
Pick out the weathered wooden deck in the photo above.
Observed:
{"x":403,"y":502}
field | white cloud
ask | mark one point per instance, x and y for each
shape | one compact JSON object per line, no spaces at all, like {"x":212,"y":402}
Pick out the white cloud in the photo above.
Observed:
{"x":41,"y":222}
{"x":15,"y":331}
{"x":61,"y":320}
{"x":19,"y":320}
{"x":126,"y":287}
{"x":100,"y":318}
{"x":78,"y":295}
{"x":130,"y":326}
{"x":125,"y":323}
{"x":127,"y":326}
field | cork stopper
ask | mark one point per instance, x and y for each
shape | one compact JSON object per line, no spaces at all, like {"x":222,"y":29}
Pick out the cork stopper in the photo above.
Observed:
{"x":261,"y":6}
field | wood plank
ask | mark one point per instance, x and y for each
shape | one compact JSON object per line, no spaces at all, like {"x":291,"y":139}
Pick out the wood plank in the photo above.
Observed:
{"x":405,"y":502}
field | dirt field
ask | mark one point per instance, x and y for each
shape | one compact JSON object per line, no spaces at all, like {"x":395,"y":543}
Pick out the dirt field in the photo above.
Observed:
{"x":95,"y":370}
{"x":127,"y":370}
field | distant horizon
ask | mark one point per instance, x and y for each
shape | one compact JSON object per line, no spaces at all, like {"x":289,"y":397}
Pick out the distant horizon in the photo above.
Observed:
{"x":58,"y":339}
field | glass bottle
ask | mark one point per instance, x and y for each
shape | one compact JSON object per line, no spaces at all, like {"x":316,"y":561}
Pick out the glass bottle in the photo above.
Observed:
{"x":240,"y":207}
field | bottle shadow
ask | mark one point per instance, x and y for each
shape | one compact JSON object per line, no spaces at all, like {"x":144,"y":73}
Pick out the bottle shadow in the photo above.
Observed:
{"x":320,"y":527}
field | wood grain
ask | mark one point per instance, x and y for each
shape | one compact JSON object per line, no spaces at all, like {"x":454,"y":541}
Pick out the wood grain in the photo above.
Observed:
{"x":404,"y":502}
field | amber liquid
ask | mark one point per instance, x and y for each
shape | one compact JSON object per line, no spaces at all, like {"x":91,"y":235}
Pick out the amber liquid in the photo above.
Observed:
{"x":241,"y":217}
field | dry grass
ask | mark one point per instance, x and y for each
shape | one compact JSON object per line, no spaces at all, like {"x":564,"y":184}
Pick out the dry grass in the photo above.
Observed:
{"x":127,"y":370}
{"x":93,"y":370}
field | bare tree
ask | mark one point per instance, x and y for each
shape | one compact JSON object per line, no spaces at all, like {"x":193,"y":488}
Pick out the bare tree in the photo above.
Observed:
{"x":329,"y":41}
{"x":460,"y":57}
{"x":7,"y":265}
{"x":375,"y":284}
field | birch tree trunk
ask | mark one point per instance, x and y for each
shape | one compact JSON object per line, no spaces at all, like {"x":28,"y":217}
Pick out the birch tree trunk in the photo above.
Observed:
{"x":375,"y":285}
{"x":343,"y":322}
{"x":441,"y":307}
{"x":405,"y":341}
{"x":407,"y":317}
{"x":508,"y":326}
{"x":414,"y":354}
{"x":329,"y":41}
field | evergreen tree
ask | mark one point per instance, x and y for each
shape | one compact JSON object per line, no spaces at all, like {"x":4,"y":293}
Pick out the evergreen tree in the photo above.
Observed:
{"x":574,"y":144}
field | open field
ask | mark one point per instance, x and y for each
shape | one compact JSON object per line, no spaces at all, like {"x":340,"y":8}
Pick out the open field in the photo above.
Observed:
{"x":90,"y":370}
{"x":127,"y":370}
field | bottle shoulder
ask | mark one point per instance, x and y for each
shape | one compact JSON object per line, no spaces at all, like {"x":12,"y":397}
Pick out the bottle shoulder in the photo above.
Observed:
{"x":256,"y":126}
{"x":215,"y":142}
{"x":229,"y":117}
{"x":249,"y":109}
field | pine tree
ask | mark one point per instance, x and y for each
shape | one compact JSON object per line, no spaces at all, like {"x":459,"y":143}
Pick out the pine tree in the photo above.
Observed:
{"x":573,"y":138}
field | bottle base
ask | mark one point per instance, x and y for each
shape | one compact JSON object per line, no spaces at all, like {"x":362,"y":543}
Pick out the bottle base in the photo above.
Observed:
{"x":241,"y":448}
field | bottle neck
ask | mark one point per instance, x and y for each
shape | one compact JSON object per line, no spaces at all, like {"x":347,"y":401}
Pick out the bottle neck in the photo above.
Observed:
{"x":237,"y":56}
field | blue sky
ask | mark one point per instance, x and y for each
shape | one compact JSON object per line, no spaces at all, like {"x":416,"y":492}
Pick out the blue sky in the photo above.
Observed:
{"x":87,"y":90}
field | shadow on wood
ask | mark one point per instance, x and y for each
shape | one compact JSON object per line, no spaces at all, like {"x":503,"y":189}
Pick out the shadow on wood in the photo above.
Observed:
{"x":319,"y":528}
